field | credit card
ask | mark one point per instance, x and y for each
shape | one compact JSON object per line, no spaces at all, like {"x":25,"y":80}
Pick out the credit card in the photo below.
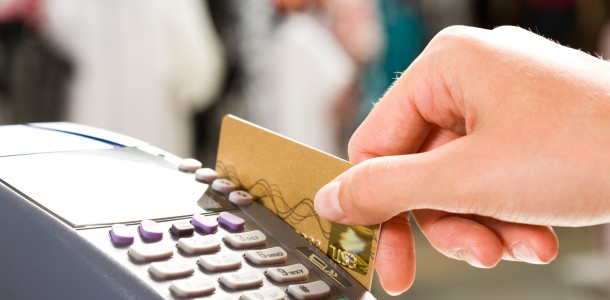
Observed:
{"x":284,"y":176}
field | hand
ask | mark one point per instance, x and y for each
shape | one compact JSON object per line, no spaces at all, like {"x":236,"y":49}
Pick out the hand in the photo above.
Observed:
{"x":489,"y":138}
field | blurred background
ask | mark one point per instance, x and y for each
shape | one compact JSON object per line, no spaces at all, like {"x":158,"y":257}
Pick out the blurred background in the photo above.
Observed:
{"x":167,"y":71}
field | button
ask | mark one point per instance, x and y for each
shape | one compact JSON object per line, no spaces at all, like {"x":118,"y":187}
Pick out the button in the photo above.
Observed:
{"x":269,"y":256}
{"x":220,"y":262}
{"x":182,"y":229}
{"x":193,"y":287}
{"x":207,"y":224}
{"x":240,"y":198}
{"x":150,"y":230}
{"x":231,"y":221}
{"x":312,"y":290}
{"x":244,"y":240}
{"x":242,"y":280}
{"x":189,"y":165}
{"x":121,"y":234}
{"x":223,"y":186}
{"x":150,"y":252}
{"x":206,"y":175}
{"x":264,"y":294}
{"x":199,"y":244}
{"x":292,"y":273}
{"x":172,"y":269}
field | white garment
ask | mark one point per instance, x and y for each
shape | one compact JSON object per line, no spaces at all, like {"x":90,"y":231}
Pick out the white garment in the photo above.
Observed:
{"x":142,"y":67}
{"x":308,"y":72}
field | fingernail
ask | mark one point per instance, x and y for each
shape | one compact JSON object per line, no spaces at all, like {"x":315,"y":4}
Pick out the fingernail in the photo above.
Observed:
{"x":465,"y":255}
{"x":524,"y":253}
{"x":327,"y":202}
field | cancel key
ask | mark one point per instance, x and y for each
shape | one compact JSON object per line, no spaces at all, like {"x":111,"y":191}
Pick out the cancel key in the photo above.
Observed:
{"x":269,"y":256}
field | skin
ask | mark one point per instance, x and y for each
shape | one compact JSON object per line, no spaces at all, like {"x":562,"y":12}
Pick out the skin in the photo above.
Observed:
{"x":489,"y":138}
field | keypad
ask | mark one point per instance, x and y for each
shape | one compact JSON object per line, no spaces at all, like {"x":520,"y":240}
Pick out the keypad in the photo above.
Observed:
{"x":220,"y":262}
{"x":273,"y":293}
{"x":121,"y":235}
{"x":265,"y":257}
{"x":150,"y":230}
{"x":150,"y":252}
{"x":214,"y":256}
{"x":182,"y":229}
{"x":231,"y":221}
{"x":242,"y":279}
{"x":307,"y":291}
{"x":199,"y":244}
{"x":288,"y":274}
{"x":246,"y":240}
{"x":171,"y":269}
{"x":190,"y":288}
{"x":207,"y":224}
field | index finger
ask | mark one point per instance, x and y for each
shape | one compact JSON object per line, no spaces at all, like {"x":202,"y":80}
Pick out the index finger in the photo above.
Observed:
{"x":427,"y":94}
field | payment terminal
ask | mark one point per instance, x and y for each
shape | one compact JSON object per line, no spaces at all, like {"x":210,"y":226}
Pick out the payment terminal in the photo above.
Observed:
{"x":91,"y":214}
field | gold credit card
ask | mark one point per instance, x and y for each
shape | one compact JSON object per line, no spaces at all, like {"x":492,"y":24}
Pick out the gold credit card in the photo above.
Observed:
{"x":285,"y":176}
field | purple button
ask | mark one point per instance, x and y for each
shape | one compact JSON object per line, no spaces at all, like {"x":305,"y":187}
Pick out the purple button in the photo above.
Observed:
{"x":150,"y":230}
{"x":205,"y":224}
{"x":120,"y":234}
{"x":231,"y":221}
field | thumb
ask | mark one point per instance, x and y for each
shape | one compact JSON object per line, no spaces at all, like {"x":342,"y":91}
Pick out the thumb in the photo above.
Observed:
{"x":379,"y":188}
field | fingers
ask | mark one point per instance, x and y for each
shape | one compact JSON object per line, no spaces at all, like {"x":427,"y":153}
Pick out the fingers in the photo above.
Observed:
{"x":527,"y":243}
{"x":395,"y":258}
{"x":377,"y":189}
{"x":485,"y":240}
{"x":428,"y":93}
{"x":461,"y":238}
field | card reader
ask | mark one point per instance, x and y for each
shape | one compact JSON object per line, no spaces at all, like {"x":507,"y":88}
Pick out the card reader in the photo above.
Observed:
{"x":91,"y":214}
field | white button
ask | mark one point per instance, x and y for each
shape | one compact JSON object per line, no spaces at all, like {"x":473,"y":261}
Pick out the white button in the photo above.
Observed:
{"x":270,"y":256}
{"x":312,"y":290}
{"x":220,"y":262}
{"x":284,"y":274}
{"x":193,"y":287}
{"x":172,"y":269}
{"x":150,"y":252}
{"x":189,"y":165}
{"x":242,"y":280}
{"x":273,"y":293}
{"x":244,"y":240}
{"x":240,"y":198}
{"x":199,"y":244}
{"x":223,"y":186}
{"x":206,"y":175}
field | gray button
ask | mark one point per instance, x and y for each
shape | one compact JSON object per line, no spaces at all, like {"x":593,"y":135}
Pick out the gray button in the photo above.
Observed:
{"x":240,"y":198}
{"x":243,"y":240}
{"x":223,"y":186}
{"x":312,"y":290}
{"x":189,"y":165}
{"x":220,"y":262}
{"x":206,"y":175}
{"x":264,"y":294}
{"x":242,"y":280}
{"x":269,"y":256}
{"x":172,"y":269}
{"x":193,"y":287}
{"x":150,"y":252}
{"x":199,"y":244}
{"x":288,"y":274}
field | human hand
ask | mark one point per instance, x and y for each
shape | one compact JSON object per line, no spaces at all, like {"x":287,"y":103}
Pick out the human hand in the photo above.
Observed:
{"x":489,"y":138}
